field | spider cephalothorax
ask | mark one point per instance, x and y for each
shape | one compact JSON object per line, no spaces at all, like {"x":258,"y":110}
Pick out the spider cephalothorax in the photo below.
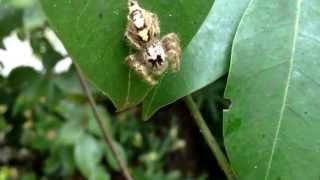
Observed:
{"x":142,"y":27}
{"x":154,"y":55}
{"x":150,"y":62}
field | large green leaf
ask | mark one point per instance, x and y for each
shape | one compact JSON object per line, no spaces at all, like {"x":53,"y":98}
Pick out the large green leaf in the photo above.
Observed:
{"x":99,"y":174}
{"x":272,"y":126}
{"x":204,"y":60}
{"x":88,"y":153}
{"x":10,"y":18}
{"x":110,"y":157}
{"x":92,"y":32}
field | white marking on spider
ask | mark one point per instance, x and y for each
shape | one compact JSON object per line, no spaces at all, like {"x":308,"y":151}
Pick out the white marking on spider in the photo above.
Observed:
{"x":138,"y":19}
{"x":155,"y":51}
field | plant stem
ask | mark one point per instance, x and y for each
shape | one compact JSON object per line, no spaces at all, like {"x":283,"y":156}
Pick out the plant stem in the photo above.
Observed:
{"x":211,"y":141}
{"x":105,"y":134}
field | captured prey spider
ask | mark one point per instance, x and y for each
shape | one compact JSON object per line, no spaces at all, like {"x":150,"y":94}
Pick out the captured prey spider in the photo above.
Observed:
{"x":154,"y":55}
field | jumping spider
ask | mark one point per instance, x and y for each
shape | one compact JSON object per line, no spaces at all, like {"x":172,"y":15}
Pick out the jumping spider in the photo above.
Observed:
{"x":154,"y":55}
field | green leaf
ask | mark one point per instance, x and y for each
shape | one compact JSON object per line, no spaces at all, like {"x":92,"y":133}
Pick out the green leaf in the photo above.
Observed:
{"x":29,"y":176}
{"x":88,"y":153}
{"x":67,"y":161}
{"x":110,"y":157}
{"x":92,"y":123}
{"x":18,"y":3}
{"x":71,"y":111}
{"x":51,"y":164}
{"x":99,"y":174}
{"x":10,"y":19}
{"x":4,"y":48}
{"x":44,"y":130}
{"x":93,"y":36}
{"x":204,"y":60}
{"x":43,"y":49}
{"x":69,"y":83}
{"x":272,"y":127}
{"x":60,"y":160}
{"x":70,"y":132}
{"x":4,"y":126}
{"x":22,"y":77}
{"x":33,"y":16}
{"x":35,"y":93}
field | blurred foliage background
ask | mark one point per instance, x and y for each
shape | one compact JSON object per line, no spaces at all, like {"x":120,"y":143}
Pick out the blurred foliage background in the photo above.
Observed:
{"x":47,"y":129}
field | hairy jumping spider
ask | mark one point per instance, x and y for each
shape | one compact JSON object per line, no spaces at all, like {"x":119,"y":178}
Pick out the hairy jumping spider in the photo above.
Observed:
{"x":154,"y":55}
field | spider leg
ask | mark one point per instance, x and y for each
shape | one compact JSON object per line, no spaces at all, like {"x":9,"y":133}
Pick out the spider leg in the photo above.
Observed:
{"x":171,"y":45}
{"x":153,"y":25}
{"x":134,"y":62}
{"x":158,"y":71}
{"x":131,"y":38}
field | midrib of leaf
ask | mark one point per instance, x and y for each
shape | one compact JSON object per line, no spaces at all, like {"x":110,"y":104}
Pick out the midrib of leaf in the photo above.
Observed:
{"x":285,"y":96}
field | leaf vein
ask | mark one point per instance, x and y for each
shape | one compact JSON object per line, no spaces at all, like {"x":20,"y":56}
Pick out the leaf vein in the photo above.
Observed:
{"x":285,"y":96}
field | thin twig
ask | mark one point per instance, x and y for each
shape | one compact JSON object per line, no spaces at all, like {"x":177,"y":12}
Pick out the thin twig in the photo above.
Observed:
{"x":211,"y":141}
{"x":105,"y":134}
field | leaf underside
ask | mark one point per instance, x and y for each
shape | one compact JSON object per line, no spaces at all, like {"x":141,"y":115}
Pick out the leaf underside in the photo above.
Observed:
{"x":272,"y":127}
{"x":92,"y":32}
{"x":204,"y":60}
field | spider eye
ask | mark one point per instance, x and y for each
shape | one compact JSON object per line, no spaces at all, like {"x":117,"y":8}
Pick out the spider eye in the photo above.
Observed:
{"x":159,"y":59}
{"x":153,"y":62}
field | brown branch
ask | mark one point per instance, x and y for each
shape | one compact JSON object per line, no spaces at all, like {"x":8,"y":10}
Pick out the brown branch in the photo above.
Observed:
{"x":210,"y":139}
{"x":106,"y":135}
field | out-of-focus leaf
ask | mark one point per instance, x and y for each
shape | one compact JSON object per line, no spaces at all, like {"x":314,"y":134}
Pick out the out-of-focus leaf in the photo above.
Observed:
{"x":29,"y":176}
{"x":110,"y":157}
{"x":45,"y":130}
{"x":204,"y":60}
{"x":1,"y":47}
{"x":88,"y":153}
{"x":21,"y":4}
{"x":10,"y":19}
{"x":70,"y":132}
{"x":142,"y":174}
{"x":67,"y":161}
{"x":54,"y":95}
{"x":33,"y":17}
{"x":92,"y":124}
{"x":42,"y":48}
{"x":69,"y":83}
{"x":3,"y":124}
{"x":272,"y":127}
{"x":29,"y":97}
{"x":61,"y":159}
{"x":22,"y":77}
{"x":71,"y":111}
{"x":51,"y":163}
{"x":210,"y":99}
{"x":93,"y":36}
{"x":99,"y":174}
